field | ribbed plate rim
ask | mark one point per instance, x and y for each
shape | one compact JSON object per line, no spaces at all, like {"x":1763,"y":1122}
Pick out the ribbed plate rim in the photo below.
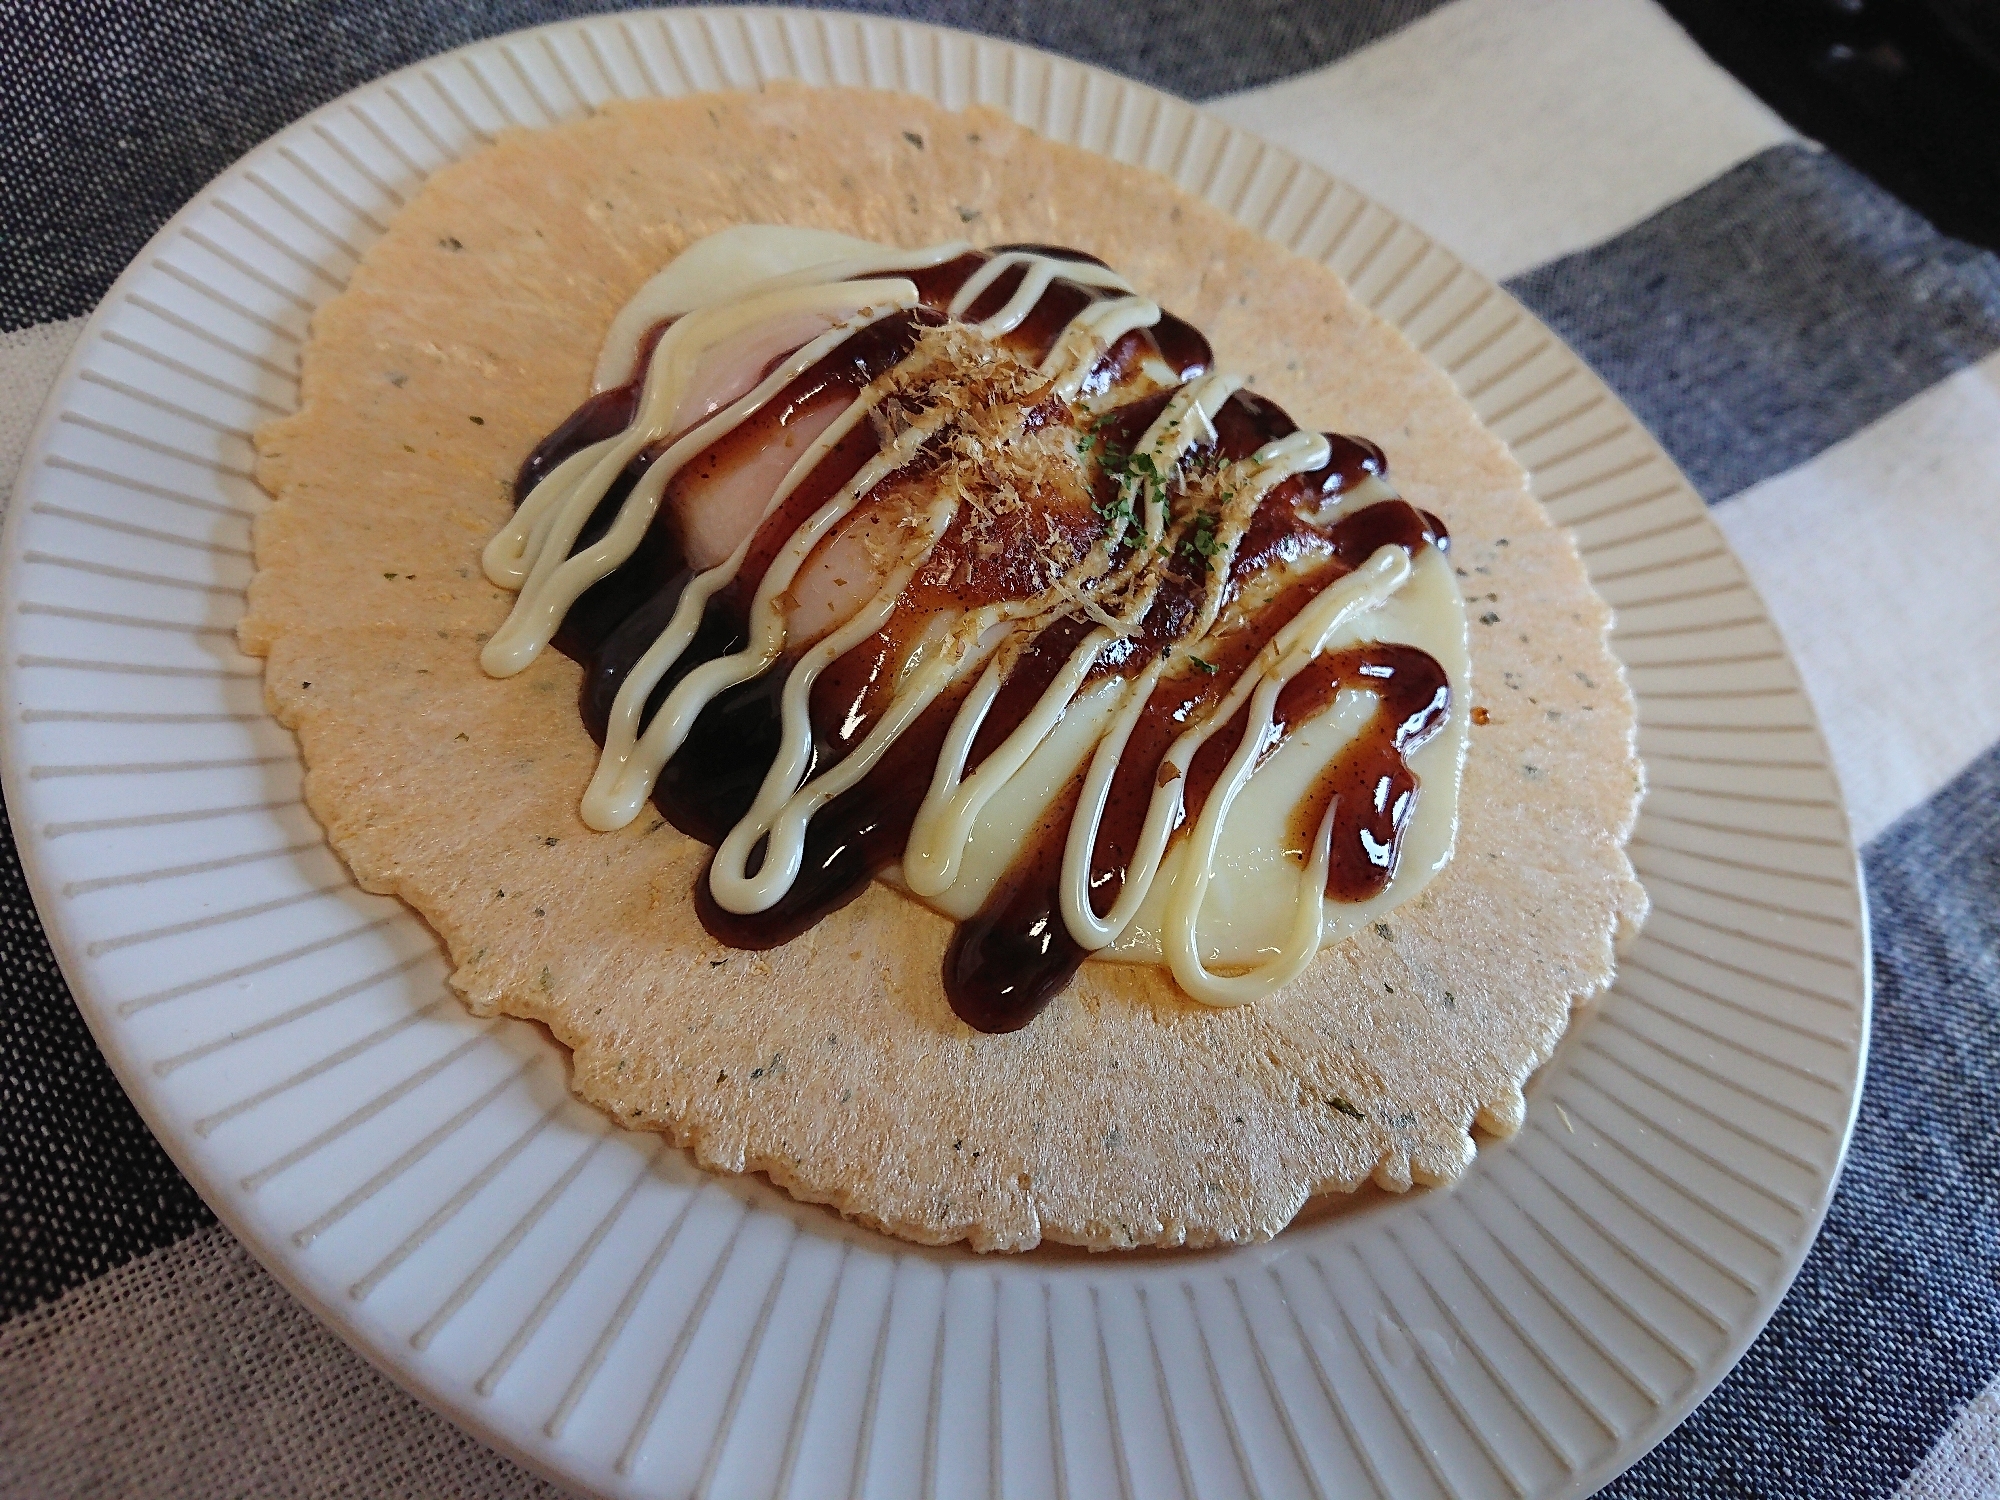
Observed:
{"x":78,"y":966}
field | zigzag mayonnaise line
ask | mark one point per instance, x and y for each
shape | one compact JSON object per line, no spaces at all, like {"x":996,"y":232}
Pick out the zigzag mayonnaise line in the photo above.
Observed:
{"x":966,"y":570}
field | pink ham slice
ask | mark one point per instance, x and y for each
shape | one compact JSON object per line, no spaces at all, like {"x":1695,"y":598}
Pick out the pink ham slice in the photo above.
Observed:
{"x":719,"y":500}
{"x":728,"y":371}
{"x":843,"y":573}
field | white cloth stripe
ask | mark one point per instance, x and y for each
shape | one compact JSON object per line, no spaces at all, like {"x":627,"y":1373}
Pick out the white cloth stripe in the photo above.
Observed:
{"x":1965,"y":1464}
{"x":1516,"y":131}
{"x":1879,"y":560}
{"x":191,"y":1371}
{"x":29,"y":361}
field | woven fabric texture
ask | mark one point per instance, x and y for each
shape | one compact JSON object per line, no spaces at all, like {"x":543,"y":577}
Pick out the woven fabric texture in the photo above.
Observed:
{"x":300,"y":1412}
{"x":1819,"y":359}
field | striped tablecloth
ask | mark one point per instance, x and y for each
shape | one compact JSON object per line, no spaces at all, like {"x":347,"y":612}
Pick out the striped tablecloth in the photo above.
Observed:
{"x":1818,"y":358}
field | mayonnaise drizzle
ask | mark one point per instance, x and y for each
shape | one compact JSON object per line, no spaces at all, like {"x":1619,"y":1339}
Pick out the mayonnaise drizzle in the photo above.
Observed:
{"x":792,"y":288}
{"x":944,"y":824}
{"x":1271,"y":465}
{"x":539,"y":538}
{"x":1289,"y":653}
{"x":1042,"y":270}
{"x":629,"y":765}
{"x":730,"y":262}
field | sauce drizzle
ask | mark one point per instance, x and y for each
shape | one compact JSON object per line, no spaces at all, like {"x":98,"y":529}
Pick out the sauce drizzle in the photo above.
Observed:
{"x":1191,"y":549}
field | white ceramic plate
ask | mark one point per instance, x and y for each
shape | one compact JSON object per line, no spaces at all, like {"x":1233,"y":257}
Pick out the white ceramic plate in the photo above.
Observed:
{"x":584,"y":1298}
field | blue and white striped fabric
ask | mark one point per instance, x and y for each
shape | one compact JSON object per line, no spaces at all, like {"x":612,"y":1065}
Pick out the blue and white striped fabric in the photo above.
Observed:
{"x":1823,"y":364}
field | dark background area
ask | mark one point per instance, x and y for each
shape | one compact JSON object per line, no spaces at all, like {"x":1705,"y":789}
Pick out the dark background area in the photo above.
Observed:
{"x":1906,"y":90}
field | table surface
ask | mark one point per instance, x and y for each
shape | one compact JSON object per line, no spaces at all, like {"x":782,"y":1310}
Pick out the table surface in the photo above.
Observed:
{"x":1818,"y":357}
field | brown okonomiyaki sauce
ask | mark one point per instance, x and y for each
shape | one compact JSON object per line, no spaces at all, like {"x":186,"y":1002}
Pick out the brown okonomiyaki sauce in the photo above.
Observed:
{"x":1015,"y":954}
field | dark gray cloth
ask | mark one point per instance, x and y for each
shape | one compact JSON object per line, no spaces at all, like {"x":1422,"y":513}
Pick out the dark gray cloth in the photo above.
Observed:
{"x":1894,"y":1322}
{"x":1771,"y":313}
{"x":84,"y":1186}
{"x":119,"y":111}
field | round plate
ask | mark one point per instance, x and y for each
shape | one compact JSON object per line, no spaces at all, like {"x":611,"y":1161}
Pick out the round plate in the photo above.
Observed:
{"x":587,"y":1300}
